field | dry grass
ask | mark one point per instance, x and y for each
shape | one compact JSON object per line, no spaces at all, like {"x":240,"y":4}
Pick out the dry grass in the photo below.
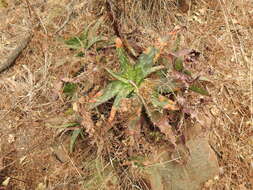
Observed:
{"x":221,"y":30}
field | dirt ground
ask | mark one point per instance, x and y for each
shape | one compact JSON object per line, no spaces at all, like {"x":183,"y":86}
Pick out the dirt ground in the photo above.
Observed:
{"x":34,"y":155}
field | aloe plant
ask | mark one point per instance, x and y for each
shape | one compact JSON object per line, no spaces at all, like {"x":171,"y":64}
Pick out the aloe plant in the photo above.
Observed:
{"x":75,"y":129}
{"x":130,"y":78}
{"x":133,"y":82}
{"x":86,"y":40}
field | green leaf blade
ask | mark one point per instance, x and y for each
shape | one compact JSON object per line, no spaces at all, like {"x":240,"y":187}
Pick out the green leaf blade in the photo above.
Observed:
{"x":109,"y":92}
{"x":144,"y":65}
{"x":73,"y":139}
{"x":93,"y":41}
{"x":127,"y":89}
{"x":123,"y":59}
{"x":117,"y":76}
{"x":73,"y":43}
{"x":179,"y":64}
{"x":69,"y":89}
{"x":199,"y":90}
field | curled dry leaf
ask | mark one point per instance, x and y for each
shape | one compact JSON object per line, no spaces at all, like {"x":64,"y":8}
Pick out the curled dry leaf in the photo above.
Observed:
{"x":87,"y":122}
{"x":182,"y":53}
{"x":57,"y":90}
{"x":66,"y":79}
{"x":118,"y":43}
{"x":170,"y":105}
{"x":112,"y":114}
{"x":189,"y":55}
{"x":93,"y":99}
{"x":181,"y":76}
{"x":134,"y":123}
{"x":166,"y":128}
{"x":75,"y":107}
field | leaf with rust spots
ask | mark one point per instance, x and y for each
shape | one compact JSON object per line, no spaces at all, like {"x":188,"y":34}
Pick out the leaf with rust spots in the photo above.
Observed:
{"x":164,"y":103}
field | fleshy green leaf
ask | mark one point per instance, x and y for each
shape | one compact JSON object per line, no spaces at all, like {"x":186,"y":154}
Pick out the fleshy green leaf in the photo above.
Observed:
{"x":127,"y":89}
{"x":74,"y":43}
{"x":199,"y":90}
{"x":79,"y":42}
{"x":63,"y":126}
{"x":179,"y":64}
{"x":86,"y":39}
{"x":80,"y":54}
{"x":187,"y":72}
{"x":84,"y":36}
{"x":93,"y":41}
{"x":146,"y":60}
{"x":73,"y":139}
{"x":163,"y":102}
{"x":94,"y":29}
{"x":123,"y":60}
{"x":165,"y":85}
{"x":157,"y":103}
{"x":69,"y":89}
{"x":154,"y":69}
{"x":117,"y":76}
{"x":144,"y":65}
{"x":69,"y":125}
{"x":109,"y":92}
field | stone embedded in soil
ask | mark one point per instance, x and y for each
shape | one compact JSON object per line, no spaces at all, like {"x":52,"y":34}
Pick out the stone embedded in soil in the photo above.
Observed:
{"x":15,"y":34}
{"x":200,"y":166}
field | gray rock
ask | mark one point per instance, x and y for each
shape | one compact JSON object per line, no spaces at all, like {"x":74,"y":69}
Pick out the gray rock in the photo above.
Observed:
{"x":198,"y":165}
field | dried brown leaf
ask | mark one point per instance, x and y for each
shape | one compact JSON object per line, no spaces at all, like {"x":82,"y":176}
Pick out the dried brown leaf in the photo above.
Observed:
{"x":170,"y":105}
{"x":112,"y":114}
{"x":182,"y":52}
{"x":87,"y":122}
{"x":57,"y":90}
{"x":166,"y":128}
{"x":134,"y":123}
{"x":118,"y":43}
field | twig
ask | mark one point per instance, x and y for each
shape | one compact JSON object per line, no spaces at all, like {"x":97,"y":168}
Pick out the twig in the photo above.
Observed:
{"x":162,"y":163}
{"x":72,"y":162}
{"x":70,"y":12}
